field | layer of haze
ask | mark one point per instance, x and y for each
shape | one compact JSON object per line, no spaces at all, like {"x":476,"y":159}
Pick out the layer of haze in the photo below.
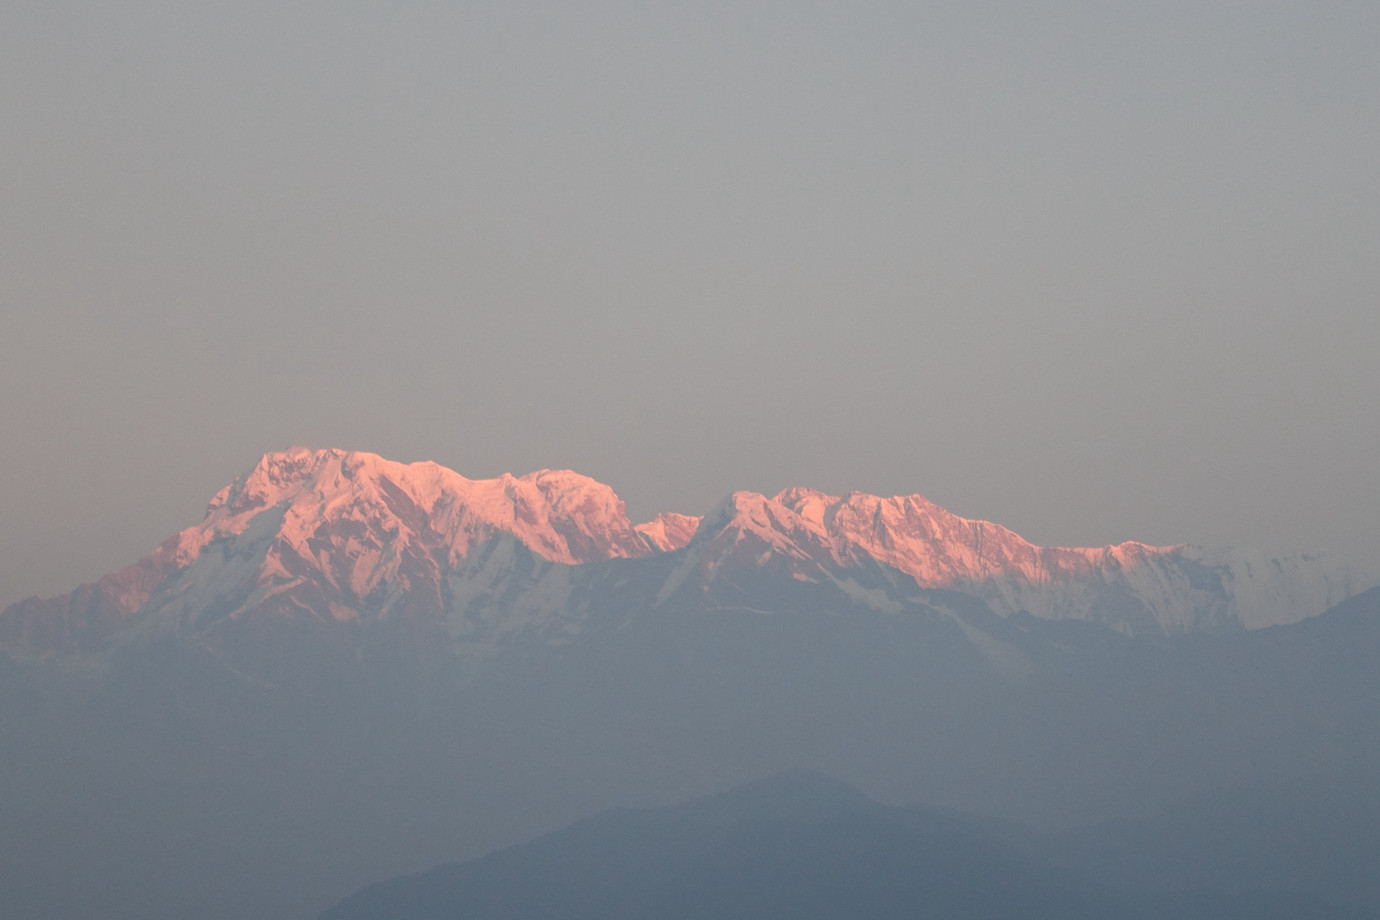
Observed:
{"x":1095,"y":271}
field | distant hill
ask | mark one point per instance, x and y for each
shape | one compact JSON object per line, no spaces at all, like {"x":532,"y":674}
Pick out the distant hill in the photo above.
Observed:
{"x":794,"y":847}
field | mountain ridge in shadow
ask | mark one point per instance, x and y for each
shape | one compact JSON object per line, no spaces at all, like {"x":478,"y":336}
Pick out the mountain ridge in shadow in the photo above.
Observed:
{"x":801,"y":846}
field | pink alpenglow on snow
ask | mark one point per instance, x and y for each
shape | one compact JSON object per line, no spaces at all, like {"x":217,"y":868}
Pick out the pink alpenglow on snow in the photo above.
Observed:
{"x":331,"y":536}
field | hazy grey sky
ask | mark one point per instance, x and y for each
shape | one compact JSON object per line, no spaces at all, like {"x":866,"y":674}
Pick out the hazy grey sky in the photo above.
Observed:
{"x":1095,"y":271}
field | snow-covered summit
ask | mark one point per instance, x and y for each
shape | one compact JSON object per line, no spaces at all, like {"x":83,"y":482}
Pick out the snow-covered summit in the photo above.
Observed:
{"x":668,"y":531}
{"x":940,"y":549}
{"x":561,"y":515}
{"x":337,"y":535}
{"x":906,"y":532}
{"x":1133,"y":587}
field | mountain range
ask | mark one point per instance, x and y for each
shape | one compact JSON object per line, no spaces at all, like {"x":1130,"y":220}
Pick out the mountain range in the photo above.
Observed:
{"x":344,"y":537}
{"x":354,"y":668}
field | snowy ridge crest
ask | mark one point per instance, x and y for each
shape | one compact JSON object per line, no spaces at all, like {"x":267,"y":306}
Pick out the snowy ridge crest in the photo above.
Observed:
{"x":1133,"y":587}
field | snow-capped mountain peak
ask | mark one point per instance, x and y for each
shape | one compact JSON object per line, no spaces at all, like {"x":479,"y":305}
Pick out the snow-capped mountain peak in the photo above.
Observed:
{"x":1131,"y":586}
{"x":909,"y":533}
{"x":669,"y":531}
{"x":559,"y":514}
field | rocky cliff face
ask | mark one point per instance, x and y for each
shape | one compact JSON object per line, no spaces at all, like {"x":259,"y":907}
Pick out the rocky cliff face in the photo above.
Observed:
{"x":329,"y":536}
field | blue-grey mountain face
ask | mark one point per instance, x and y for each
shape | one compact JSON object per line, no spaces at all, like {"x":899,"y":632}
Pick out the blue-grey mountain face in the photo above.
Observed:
{"x":798,"y":847}
{"x":354,"y":669}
